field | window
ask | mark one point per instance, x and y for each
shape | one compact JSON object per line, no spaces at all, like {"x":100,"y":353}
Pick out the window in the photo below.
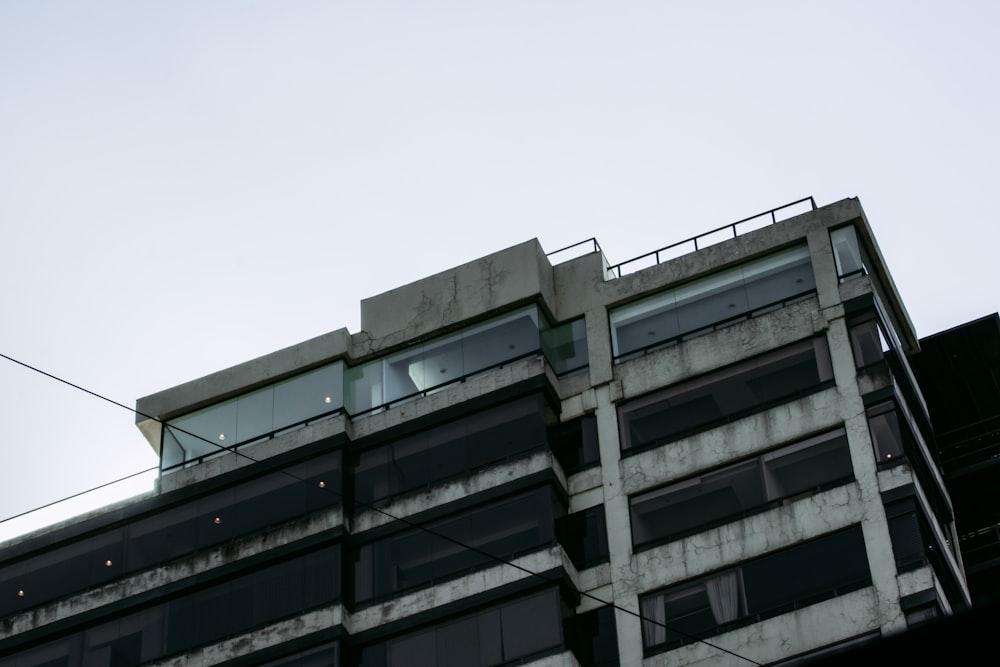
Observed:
{"x":593,"y":637}
{"x":173,"y":532}
{"x":726,"y":394}
{"x":574,"y":443}
{"x":774,"y":584}
{"x":443,"y":452}
{"x":740,"y":489}
{"x":254,"y":415}
{"x":208,"y":614}
{"x":417,"y":370}
{"x":504,"y":634}
{"x":868,"y":342}
{"x":416,"y":557}
{"x":565,"y":346}
{"x":700,"y":306}
{"x":886,"y":433}
{"x":847,"y":254}
{"x":584,"y":536}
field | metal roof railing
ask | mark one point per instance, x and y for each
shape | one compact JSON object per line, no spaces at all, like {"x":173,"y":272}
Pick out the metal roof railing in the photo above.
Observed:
{"x":720,"y":234}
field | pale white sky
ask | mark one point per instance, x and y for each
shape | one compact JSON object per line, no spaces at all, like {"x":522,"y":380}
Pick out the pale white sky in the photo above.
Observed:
{"x":188,"y":185}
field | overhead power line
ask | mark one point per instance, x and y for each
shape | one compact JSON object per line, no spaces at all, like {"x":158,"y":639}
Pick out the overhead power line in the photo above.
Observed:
{"x":340,"y":496}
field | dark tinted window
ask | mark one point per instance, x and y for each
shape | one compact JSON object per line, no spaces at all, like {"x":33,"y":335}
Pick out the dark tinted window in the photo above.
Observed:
{"x":725,"y":394}
{"x":706,"y":303}
{"x":416,"y":557}
{"x":740,"y":489}
{"x":886,"y":432}
{"x":593,"y":637}
{"x":574,"y":443}
{"x":584,"y":536}
{"x":503,"y":634}
{"x":200,"y":523}
{"x":450,"y":450}
{"x":202,"y":616}
{"x":773,"y":584}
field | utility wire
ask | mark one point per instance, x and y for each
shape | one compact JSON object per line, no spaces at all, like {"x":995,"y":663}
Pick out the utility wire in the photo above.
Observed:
{"x":404,"y":521}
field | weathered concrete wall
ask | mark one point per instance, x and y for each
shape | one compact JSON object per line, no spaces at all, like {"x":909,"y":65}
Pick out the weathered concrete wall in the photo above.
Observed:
{"x":515,"y":275}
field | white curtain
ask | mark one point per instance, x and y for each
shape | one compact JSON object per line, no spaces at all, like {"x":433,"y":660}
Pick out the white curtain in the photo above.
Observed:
{"x":653,"y":618}
{"x":725,"y":596}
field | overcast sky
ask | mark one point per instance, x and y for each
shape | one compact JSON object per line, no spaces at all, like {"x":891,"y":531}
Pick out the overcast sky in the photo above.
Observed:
{"x":188,"y":185}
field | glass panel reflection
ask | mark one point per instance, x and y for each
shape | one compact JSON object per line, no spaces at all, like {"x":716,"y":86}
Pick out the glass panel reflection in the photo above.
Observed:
{"x":712,"y":301}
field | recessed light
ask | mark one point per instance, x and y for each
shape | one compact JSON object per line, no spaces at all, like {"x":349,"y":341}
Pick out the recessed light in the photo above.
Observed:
{"x":222,"y":436}
{"x":107,"y":563}
{"x":322,"y":485}
{"x":217,"y":520}
{"x":20,"y":594}
{"x":328,"y":400}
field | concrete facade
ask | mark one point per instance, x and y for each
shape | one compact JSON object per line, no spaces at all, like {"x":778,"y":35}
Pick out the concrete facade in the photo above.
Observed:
{"x":568,"y":420}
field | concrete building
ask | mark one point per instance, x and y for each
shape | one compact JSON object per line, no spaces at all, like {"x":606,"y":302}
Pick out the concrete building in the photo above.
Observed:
{"x":715,"y":454}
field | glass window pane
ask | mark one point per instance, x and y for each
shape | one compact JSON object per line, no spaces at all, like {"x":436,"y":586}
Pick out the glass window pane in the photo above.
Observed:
{"x":308,"y":395}
{"x":846,"y":252}
{"x":710,"y":300}
{"x":416,"y":650}
{"x":363,"y":385}
{"x":497,"y":341}
{"x":727,"y":393}
{"x":210,"y":430}
{"x":807,"y":466}
{"x":702,"y":304}
{"x":255,"y":414}
{"x":490,"y":642}
{"x":887,"y":438}
{"x":565,"y":346}
{"x":531,"y":626}
{"x":643,"y":323}
{"x":778,"y":277}
{"x":867,"y":343}
{"x":907,"y":539}
{"x":458,"y":644}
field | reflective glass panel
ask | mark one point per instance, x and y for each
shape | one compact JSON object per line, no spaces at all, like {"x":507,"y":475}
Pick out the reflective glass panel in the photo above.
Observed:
{"x":846,"y":252}
{"x":739,"y":489}
{"x":565,"y":346}
{"x":501,"y":339}
{"x":727,"y":393}
{"x":205,"y":432}
{"x":308,"y":395}
{"x":363,"y":386}
{"x":712,"y":301}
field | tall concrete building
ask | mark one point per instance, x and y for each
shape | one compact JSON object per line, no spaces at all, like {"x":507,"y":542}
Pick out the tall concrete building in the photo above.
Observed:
{"x":715,"y":454}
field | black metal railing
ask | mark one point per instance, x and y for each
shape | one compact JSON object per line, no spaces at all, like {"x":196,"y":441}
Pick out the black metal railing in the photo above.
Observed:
{"x":592,"y":241}
{"x":618,"y":270}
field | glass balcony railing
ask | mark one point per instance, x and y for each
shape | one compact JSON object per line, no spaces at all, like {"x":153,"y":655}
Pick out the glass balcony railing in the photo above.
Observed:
{"x":359,"y":390}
